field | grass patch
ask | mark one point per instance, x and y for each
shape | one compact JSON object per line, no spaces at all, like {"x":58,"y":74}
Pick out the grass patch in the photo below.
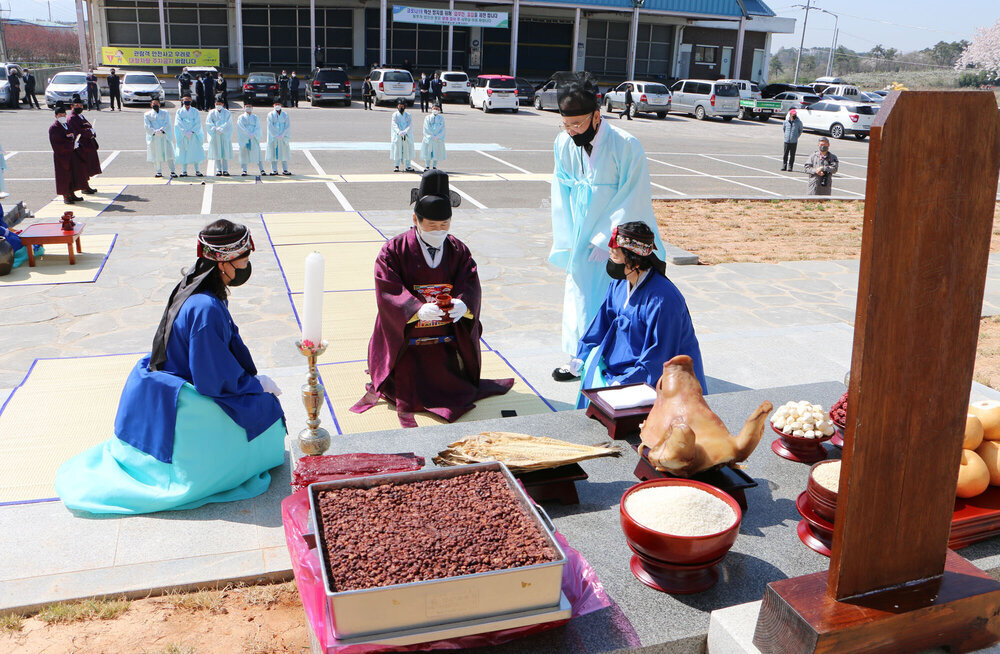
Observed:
{"x":92,"y":609}
{"x":212,"y":601}
{"x":174,"y":648}
{"x":11,"y":623}
{"x":269,"y":595}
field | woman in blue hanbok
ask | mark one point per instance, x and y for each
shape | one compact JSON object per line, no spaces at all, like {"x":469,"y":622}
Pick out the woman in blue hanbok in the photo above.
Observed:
{"x":196,"y":423}
{"x":643,"y":323}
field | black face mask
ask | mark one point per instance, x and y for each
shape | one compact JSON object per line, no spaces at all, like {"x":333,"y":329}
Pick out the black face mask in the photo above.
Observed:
{"x":187,"y":103}
{"x":586,"y":137}
{"x":401,"y":110}
{"x":156,"y":108}
{"x":615,"y":270}
{"x":824,"y":148}
{"x":241,"y":275}
{"x":77,"y":111}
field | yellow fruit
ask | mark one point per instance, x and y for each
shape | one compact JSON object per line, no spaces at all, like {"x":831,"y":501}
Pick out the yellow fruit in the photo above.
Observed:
{"x":988,"y":412}
{"x":989,"y":452}
{"x":973,"y":432}
{"x":973,"y":475}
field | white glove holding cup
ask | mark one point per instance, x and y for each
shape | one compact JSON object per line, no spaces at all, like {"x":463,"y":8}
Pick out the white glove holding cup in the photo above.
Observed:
{"x":430,"y":311}
{"x":458,"y":309}
{"x":269,"y":386}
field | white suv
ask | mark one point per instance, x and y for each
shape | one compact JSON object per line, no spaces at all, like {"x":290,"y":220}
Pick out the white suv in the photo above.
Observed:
{"x":455,"y":85}
{"x":392,"y":85}
{"x":491,"y":92}
{"x":838,"y":118}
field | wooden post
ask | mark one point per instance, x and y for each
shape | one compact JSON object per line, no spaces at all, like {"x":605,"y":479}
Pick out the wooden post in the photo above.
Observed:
{"x":932,"y":182}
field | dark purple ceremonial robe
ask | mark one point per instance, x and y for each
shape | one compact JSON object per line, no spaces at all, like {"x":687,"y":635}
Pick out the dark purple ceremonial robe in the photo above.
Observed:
{"x":88,"y":143}
{"x":71,"y":173}
{"x":442,"y":378}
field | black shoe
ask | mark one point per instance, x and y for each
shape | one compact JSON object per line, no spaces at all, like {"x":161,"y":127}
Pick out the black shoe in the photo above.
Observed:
{"x":72,"y":200}
{"x":184,"y":175}
{"x":789,"y":169}
{"x":286,"y":173}
{"x":225,"y":174}
{"x":396,"y":169}
{"x":218,"y":173}
{"x":784,"y":168}
{"x":563,"y":374}
{"x":410,"y":170}
{"x":243,"y":174}
{"x":89,"y":191}
{"x":173,"y":174}
{"x":272,"y":174}
{"x":158,"y":175}
{"x":197,"y":174}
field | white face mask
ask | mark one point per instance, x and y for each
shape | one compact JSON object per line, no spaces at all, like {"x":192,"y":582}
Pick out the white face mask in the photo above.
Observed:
{"x":436,"y":112}
{"x":248,"y":110}
{"x":62,"y":120}
{"x":434,"y":239}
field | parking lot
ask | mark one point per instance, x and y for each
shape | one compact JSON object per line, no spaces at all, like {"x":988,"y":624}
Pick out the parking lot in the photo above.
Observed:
{"x":340,"y":160}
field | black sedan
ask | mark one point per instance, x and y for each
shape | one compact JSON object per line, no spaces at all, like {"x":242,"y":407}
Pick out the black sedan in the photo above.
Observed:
{"x":525,"y":91}
{"x":260,"y":88}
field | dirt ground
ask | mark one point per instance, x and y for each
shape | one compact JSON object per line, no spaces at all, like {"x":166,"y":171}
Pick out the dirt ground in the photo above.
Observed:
{"x":249,"y":620}
{"x":768,"y":231}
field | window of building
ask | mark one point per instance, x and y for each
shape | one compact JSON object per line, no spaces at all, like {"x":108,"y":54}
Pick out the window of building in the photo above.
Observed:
{"x":705,"y":54}
{"x":136,"y":24}
{"x":607,"y":47}
{"x":425,"y":46}
{"x":280,"y":35}
{"x":653,"y":48}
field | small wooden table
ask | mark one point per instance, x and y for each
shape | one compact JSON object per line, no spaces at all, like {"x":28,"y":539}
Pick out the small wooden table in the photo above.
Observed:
{"x":46,"y":233}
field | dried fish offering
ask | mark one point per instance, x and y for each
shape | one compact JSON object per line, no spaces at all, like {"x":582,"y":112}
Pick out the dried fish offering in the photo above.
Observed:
{"x":520,"y":452}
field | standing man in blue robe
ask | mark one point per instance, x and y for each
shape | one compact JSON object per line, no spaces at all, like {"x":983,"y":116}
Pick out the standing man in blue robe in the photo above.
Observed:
{"x":401,"y":138}
{"x":219,"y":125}
{"x":159,"y":138}
{"x":643,"y":323}
{"x":188,"y":138}
{"x":196,"y":423}
{"x":432,"y":147}
{"x":279,"y":134}
{"x":248,"y":136}
{"x":601,"y":179}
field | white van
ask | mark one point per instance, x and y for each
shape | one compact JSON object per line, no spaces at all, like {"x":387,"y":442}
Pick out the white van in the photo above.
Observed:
{"x":393,"y":84}
{"x":491,"y":92}
{"x":848,"y":91}
{"x":748,"y":90}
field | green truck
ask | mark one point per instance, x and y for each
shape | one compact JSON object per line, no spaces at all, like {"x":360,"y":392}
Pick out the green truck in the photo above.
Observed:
{"x":762,"y":110}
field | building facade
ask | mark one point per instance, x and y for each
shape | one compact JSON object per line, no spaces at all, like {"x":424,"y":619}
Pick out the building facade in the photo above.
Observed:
{"x":612,"y":39}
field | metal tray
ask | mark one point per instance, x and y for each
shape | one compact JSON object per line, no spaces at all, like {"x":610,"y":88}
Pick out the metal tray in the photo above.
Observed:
{"x":370,"y":611}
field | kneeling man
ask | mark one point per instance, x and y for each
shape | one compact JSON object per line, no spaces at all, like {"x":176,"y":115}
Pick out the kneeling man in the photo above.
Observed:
{"x":643,"y":322}
{"x":424,"y":354}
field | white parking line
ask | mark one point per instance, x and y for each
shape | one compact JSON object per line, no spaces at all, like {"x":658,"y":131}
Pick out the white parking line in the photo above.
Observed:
{"x":9,"y":155}
{"x":667,"y":188}
{"x":506,"y":163}
{"x":111,"y":157}
{"x":206,"y":199}
{"x":842,"y":175}
{"x":341,"y":198}
{"x":465,"y":195}
{"x":731,"y":181}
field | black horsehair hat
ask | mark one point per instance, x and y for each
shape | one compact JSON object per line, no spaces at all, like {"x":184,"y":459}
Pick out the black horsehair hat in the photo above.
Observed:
{"x":434,"y":199}
{"x":577,"y":94}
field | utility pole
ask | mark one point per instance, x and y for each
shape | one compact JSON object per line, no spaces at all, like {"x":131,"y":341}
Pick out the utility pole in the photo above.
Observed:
{"x":736,"y":73}
{"x":798,"y":58}
{"x":836,"y":22}
{"x":3,"y":39}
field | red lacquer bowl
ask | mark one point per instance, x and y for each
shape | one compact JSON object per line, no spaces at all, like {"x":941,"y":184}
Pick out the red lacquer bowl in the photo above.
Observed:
{"x":822,"y":500}
{"x":680,"y":549}
{"x":798,"y":448}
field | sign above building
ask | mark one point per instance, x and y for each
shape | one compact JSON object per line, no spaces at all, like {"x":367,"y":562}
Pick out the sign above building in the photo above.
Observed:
{"x":159,"y":57}
{"x":455,"y":17}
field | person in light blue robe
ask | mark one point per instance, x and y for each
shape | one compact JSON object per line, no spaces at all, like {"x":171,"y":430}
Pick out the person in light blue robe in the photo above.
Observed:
{"x":189,"y":138}
{"x":159,"y":138}
{"x":401,"y":146}
{"x":248,"y":137}
{"x":219,"y":127}
{"x":20,"y":251}
{"x":279,"y":132}
{"x":601,"y":179}
{"x":432,"y":146}
{"x":3,"y":167}
{"x":196,"y":423}
{"x":643,"y":323}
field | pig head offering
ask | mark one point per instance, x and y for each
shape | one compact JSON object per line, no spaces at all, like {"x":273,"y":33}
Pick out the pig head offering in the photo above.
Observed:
{"x":683,"y":436}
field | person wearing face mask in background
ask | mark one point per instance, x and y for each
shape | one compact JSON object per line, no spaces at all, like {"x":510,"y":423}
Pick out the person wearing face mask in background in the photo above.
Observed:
{"x":248,"y":137}
{"x":86,"y":144}
{"x":222,"y":90}
{"x":199,"y":93}
{"x":114,"y":90}
{"x":423,"y":357}
{"x":279,"y":131}
{"x":601,"y":178}
{"x":184,"y":83}
{"x":159,"y":138}
{"x":293,"y":90}
{"x":401,"y":138}
{"x":196,"y":422}
{"x":219,"y":126}
{"x":283,"y":88}
{"x":821,"y":167}
{"x":425,"y":92}
{"x":367,"y":92}
{"x":643,"y":323}
{"x":791,"y":130}
{"x":70,"y":172}
{"x":188,"y":137}
{"x":432,"y":147}
{"x":437,"y":89}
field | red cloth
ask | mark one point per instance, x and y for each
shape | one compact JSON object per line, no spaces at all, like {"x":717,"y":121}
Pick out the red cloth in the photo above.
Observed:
{"x":329,"y":467}
{"x":88,"y":143}
{"x":443,"y":378}
{"x":71,"y":173}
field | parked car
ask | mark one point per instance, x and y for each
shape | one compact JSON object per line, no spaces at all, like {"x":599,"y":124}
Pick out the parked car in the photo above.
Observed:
{"x":141,"y":88}
{"x":393,"y":84}
{"x":870,"y":96}
{"x":194,"y":71}
{"x":260,"y":88}
{"x":752,"y":104}
{"x":63,"y":86}
{"x":329,"y":84}
{"x":647,"y":97}
{"x":772,"y":90}
{"x":491,"y":92}
{"x":838,"y":118}
{"x":547,"y":96}
{"x":6,"y":70}
{"x":706,"y":99}
{"x":525,"y":91}
{"x":848,"y":91}
{"x":794,"y":100}
{"x":455,"y":85}
{"x":748,"y":90}
{"x":829,"y":80}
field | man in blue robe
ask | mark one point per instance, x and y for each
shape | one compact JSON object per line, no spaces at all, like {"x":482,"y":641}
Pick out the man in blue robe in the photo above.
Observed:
{"x":188,"y":138}
{"x":643,"y":322}
{"x":601,"y":179}
{"x":196,"y":423}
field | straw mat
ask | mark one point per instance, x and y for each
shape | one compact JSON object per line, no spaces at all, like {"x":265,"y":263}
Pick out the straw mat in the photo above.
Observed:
{"x":340,"y":226}
{"x":54,"y":268}
{"x":91,"y":206}
{"x":63,"y":407}
{"x":349,"y":266}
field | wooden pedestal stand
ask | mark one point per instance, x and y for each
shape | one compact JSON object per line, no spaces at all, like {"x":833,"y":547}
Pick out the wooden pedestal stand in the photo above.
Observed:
{"x":893,"y":586}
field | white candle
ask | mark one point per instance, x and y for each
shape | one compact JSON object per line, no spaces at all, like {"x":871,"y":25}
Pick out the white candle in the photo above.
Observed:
{"x":312,"y":313}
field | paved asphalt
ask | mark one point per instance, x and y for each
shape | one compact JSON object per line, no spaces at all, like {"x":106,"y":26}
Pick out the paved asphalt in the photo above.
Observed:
{"x":504,"y":156}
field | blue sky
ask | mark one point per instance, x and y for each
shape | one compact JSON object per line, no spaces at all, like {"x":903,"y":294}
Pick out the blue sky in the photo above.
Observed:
{"x":903,"y":24}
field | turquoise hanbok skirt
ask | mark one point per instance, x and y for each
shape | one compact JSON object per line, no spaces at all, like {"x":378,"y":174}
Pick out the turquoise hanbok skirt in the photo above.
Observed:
{"x":212,"y":462}
{"x":592,"y":376}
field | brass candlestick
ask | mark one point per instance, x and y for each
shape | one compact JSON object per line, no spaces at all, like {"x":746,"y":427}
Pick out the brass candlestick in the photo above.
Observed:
{"x":313,"y":439}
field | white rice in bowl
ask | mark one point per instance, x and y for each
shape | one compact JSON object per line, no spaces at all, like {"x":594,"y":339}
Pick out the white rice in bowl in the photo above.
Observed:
{"x":828,"y":476}
{"x":680,"y":510}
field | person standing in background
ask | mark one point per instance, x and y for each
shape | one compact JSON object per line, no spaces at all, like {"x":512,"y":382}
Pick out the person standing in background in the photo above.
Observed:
{"x":248,"y":135}
{"x":209,"y":82}
{"x":184,"y":83}
{"x":367,"y":91}
{"x":401,"y":137}
{"x":220,"y":89}
{"x":114,"y":90}
{"x":188,"y":137}
{"x":821,"y":167}
{"x":159,"y":138}
{"x":279,"y":130}
{"x":437,"y":87}
{"x":199,"y":93}
{"x":15,"y":90}
{"x":93,"y":91}
{"x":219,"y":126}
{"x":293,"y":89}
{"x":29,"y":89}
{"x":791,"y":130}
{"x":627,"y":111}
{"x":283,"y":88}
{"x":432,"y":147}
{"x":69,"y":169}
{"x":425,"y":92}
{"x":86,"y":144}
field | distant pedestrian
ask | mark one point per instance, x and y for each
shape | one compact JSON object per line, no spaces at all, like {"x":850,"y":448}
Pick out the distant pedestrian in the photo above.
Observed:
{"x":367,"y":92}
{"x":15,"y":90}
{"x":29,"y":89}
{"x":401,"y":138}
{"x":86,"y":144}
{"x":220,"y":89}
{"x":248,"y":137}
{"x":293,"y":88}
{"x":183,"y":83}
{"x":822,"y":166}
{"x":114,"y":90}
{"x":70,"y":171}
{"x":188,"y":137}
{"x":319,"y":56}
{"x":432,"y":147}
{"x":407,"y":67}
{"x":792,"y":130}
{"x":93,"y":91}
{"x":627,"y":111}
{"x":425,"y":92}
{"x":199,"y":93}
{"x":437,"y":88}
{"x":283,"y":88}
{"x":159,"y":138}
{"x":209,"y":82}
{"x":219,"y":126}
{"x":279,"y":133}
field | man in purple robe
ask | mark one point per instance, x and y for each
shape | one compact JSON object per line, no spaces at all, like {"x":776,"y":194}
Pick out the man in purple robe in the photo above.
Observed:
{"x":87,"y":139}
{"x":71,"y":174}
{"x":424,"y":353}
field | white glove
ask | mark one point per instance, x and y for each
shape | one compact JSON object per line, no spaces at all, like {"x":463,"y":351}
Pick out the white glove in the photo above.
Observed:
{"x":575,"y":366}
{"x":598,"y":255}
{"x":430,"y":311}
{"x":76,"y":145}
{"x":458,"y":309}
{"x":268,"y":384}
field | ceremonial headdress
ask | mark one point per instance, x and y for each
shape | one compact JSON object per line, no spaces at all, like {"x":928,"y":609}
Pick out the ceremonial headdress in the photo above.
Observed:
{"x":434,"y":199}
{"x":225,"y":247}
{"x":626,"y":239}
